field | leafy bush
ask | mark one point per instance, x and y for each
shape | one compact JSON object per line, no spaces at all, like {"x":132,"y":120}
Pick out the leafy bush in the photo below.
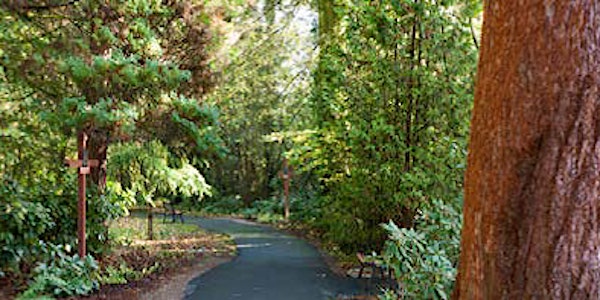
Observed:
{"x":63,"y":275}
{"x":31,"y":212}
{"x":21,"y":222}
{"x":29,"y":215}
{"x":150,"y":170}
{"x":124,"y":273}
{"x":267,"y":211}
{"x":424,"y":258}
{"x":222,"y":206}
{"x":114,"y":275}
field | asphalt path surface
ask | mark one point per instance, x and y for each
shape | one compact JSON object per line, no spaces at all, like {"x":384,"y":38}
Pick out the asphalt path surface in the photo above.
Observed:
{"x":270,"y":265}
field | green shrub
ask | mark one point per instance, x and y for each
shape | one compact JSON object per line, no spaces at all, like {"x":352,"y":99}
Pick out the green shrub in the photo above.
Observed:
{"x":30,"y":213}
{"x":424,"y":258}
{"x":306,"y":207}
{"x":113,"y":275}
{"x":63,"y":275}
{"x":223,"y":206}
{"x":124,"y":273}
{"x":21,"y":223}
{"x":266,"y":211}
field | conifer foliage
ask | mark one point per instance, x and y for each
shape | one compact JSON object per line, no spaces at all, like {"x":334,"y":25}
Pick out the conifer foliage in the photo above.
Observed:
{"x":111,"y":69}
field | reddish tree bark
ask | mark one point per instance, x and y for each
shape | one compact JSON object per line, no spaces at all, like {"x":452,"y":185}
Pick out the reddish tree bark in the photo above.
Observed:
{"x":531,"y":214}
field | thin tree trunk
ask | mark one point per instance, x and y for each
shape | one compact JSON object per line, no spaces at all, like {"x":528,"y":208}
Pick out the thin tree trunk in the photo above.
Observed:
{"x":411,"y":87}
{"x":531,"y":214}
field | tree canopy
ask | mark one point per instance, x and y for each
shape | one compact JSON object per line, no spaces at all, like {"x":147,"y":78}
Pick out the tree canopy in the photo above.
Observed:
{"x":121,"y":71}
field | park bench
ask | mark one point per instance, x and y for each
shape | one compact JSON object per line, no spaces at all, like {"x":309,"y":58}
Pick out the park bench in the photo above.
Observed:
{"x":375,"y":263}
{"x":368,"y":261}
{"x":171,"y":211}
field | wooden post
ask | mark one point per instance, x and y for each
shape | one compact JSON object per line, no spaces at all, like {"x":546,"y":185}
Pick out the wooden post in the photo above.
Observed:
{"x":83,"y":165}
{"x":286,"y":176}
{"x":81,"y":205}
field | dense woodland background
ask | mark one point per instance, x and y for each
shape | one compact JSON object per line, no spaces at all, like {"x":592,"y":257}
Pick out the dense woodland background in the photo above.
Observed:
{"x":202,"y":100}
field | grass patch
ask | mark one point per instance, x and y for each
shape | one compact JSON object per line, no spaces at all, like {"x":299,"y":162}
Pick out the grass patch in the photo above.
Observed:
{"x":131,"y":229}
{"x":134,"y":257}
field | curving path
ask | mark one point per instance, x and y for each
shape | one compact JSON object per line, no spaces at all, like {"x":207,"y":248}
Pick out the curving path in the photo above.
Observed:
{"x":270,"y":266}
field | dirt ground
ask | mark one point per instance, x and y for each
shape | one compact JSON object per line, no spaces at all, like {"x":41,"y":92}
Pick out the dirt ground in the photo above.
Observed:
{"x":181,"y":259}
{"x":169,"y":285}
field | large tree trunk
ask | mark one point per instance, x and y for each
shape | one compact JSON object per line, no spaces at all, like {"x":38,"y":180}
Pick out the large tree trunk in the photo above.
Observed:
{"x":531,"y":215}
{"x":97,"y":149}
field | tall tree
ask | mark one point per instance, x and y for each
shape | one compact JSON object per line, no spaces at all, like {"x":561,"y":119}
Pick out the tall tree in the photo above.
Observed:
{"x":325,"y":73}
{"x":531,"y":212}
{"x":104,"y":67}
{"x":114,"y":69}
{"x":398,"y":87}
{"x":262,"y":91}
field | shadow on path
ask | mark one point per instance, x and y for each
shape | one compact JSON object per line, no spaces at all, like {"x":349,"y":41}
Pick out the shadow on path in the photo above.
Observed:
{"x":271,"y":265}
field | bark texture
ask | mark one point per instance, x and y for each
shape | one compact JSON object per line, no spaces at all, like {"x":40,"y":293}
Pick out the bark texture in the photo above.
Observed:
{"x":531,"y":212}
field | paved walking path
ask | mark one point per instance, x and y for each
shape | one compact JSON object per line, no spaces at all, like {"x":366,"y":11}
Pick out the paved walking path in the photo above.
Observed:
{"x":271,"y":266}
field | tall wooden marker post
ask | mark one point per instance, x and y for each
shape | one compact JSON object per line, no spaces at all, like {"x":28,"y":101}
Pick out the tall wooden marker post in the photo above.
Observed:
{"x":83,"y":165}
{"x":286,"y":175}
